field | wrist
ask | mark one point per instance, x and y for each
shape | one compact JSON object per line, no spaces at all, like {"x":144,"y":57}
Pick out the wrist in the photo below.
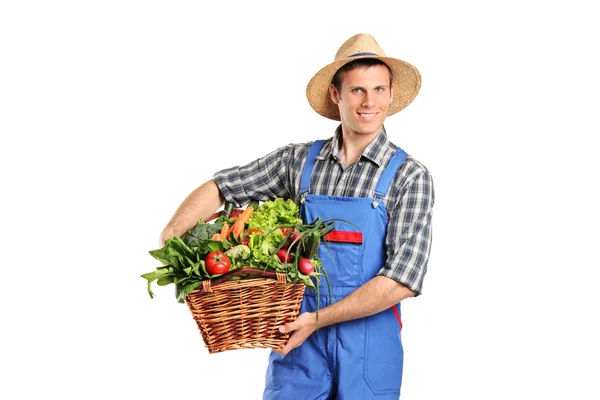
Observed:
{"x":317,"y":320}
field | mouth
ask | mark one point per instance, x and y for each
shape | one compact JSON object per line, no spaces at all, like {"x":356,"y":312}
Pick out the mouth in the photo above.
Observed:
{"x":367,"y":116}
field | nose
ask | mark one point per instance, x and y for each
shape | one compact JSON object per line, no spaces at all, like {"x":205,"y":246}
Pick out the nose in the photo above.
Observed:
{"x":367,"y":100}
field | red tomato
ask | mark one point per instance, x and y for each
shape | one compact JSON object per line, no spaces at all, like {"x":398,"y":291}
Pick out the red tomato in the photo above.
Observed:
{"x":285,"y":231}
{"x":217,"y":268}
{"x":305,"y":266}
{"x":246,"y":238}
{"x":284,"y":256}
{"x":235,"y":213}
{"x":214,"y":258}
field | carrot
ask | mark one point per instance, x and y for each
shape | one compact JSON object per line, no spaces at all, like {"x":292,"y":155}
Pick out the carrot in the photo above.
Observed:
{"x":216,"y":236}
{"x":245,"y":215}
{"x":240,"y":223}
{"x":237,"y":229}
{"x":224,"y":231}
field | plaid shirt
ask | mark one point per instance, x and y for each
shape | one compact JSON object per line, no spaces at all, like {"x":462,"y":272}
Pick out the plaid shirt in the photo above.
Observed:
{"x":408,"y":203}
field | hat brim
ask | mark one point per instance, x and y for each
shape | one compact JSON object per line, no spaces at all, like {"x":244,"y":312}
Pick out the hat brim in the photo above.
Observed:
{"x":405,"y":77}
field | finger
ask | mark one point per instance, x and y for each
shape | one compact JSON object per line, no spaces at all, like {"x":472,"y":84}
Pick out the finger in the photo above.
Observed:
{"x":285,"y":349}
{"x":287,"y":328}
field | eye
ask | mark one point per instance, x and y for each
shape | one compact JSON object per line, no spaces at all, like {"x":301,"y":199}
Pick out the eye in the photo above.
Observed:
{"x":357,"y":90}
{"x":380,"y":89}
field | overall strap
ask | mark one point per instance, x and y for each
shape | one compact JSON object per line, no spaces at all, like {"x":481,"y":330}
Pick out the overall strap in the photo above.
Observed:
{"x":385,"y":180}
{"x":311,"y":158}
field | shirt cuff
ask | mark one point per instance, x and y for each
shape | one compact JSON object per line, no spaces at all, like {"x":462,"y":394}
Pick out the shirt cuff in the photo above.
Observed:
{"x":220,"y":179}
{"x":414,"y":285}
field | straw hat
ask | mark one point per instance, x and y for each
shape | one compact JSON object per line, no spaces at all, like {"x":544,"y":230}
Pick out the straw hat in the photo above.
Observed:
{"x":406,"y":78}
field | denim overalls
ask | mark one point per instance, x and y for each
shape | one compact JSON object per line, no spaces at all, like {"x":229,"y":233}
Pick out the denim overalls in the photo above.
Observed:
{"x":359,"y":359}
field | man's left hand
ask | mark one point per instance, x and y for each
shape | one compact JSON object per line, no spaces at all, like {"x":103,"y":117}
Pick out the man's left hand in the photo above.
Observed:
{"x":300,"y":330}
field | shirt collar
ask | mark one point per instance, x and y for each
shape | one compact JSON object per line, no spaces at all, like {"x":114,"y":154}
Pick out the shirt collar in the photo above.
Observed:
{"x":373,"y":152}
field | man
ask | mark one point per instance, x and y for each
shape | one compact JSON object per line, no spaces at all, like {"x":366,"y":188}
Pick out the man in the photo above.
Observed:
{"x":351,"y":348}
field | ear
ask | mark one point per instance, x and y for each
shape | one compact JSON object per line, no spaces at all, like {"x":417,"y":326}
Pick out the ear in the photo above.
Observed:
{"x":391,"y":94}
{"x":334,"y":94}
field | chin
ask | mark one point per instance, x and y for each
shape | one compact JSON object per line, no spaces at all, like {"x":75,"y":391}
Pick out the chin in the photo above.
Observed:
{"x":370,"y":129}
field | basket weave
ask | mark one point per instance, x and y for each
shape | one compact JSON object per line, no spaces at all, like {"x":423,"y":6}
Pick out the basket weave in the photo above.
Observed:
{"x":245,"y":313}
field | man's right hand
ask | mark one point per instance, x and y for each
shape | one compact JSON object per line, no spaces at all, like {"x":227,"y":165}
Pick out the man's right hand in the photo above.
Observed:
{"x":165,"y":235}
{"x":201,"y":203}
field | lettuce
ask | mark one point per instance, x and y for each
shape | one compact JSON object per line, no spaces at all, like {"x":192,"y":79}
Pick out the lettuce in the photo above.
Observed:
{"x":264,"y":246}
{"x":274,"y":213}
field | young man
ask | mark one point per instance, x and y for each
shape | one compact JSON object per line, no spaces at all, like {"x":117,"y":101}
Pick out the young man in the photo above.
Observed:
{"x":353,"y":350}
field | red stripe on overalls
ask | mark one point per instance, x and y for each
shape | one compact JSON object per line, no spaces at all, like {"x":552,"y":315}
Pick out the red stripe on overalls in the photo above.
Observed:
{"x":354,"y":237}
{"x":397,"y":315}
{"x":344,"y":237}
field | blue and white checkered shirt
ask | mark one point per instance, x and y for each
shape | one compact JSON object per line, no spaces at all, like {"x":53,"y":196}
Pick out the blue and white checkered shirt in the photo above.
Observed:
{"x":409,"y":201}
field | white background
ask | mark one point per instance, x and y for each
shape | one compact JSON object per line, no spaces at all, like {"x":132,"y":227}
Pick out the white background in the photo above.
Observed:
{"x":112,"y":112}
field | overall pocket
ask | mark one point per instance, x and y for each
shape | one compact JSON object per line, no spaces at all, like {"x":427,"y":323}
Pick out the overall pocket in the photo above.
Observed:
{"x":280,"y":369}
{"x":384,"y":355}
{"x":342,"y":257}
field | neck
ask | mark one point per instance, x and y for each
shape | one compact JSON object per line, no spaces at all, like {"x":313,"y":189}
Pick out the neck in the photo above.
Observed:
{"x":352,"y":146}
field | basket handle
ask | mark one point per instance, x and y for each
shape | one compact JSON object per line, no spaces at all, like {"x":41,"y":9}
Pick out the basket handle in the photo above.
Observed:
{"x":280,"y":277}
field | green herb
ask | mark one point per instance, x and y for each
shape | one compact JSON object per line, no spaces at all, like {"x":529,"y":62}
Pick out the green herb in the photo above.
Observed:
{"x":183,"y":265}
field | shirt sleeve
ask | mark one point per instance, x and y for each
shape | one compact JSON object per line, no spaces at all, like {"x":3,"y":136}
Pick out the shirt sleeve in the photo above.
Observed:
{"x":408,"y":240}
{"x":264,"y":179}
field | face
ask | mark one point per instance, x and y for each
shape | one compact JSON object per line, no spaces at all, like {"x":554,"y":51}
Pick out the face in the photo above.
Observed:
{"x":363,"y":99}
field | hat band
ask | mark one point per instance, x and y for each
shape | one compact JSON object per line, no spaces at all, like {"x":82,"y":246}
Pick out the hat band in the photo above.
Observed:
{"x":363,"y":54}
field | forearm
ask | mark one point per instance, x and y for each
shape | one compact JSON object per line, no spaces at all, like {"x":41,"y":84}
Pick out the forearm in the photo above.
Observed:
{"x":200,"y":204}
{"x":376,"y":295}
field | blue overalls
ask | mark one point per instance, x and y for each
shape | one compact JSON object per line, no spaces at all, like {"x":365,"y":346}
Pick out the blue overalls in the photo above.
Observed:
{"x":359,"y":359}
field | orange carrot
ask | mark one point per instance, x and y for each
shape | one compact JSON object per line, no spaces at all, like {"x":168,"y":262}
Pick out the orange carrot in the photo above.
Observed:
{"x":237,"y":229}
{"x":224,"y":231}
{"x":216,"y":236}
{"x":245,"y":215}
{"x":240,"y":223}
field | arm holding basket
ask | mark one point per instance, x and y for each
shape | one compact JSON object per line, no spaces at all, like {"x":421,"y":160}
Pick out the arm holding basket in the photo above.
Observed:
{"x":374,"y":296}
{"x":200,"y":204}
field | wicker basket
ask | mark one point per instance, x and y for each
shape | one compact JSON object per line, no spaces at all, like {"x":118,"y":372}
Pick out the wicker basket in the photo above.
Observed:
{"x":245,"y":313}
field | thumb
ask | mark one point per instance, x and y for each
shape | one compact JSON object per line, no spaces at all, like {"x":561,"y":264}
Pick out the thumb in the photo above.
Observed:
{"x":287,"y":327}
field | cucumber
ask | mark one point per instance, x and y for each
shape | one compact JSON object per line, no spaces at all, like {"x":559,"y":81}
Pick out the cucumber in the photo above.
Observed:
{"x":310,"y":244}
{"x":254,"y":204}
{"x":227,"y":210}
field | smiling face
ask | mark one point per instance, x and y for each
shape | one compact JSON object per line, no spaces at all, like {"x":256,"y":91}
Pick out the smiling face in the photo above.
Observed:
{"x":363,"y":98}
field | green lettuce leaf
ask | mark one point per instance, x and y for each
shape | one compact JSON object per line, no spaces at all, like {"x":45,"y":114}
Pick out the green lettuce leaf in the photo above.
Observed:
{"x":274,"y":213}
